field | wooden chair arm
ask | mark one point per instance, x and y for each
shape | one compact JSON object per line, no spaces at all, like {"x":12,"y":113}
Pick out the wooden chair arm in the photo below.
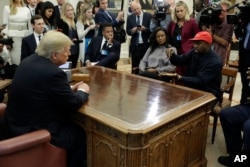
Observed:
{"x":228,"y":85}
{"x":24,"y":141}
{"x":171,"y":75}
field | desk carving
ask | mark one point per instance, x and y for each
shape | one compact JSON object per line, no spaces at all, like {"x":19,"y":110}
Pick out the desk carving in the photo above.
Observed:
{"x":174,"y":136}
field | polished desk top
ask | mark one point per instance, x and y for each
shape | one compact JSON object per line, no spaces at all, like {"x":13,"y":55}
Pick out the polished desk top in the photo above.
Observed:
{"x":135,"y":104}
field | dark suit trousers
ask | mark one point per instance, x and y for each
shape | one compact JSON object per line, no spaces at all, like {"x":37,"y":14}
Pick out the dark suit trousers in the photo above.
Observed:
{"x":244,"y":63}
{"x":138,"y":54}
{"x":234,"y":120}
{"x":73,"y":138}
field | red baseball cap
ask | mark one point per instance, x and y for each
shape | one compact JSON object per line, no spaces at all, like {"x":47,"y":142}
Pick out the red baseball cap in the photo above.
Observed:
{"x":203,"y":36}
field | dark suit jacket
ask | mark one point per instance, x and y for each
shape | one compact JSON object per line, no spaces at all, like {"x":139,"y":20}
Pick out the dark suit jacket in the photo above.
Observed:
{"x":63,"y":26}
{"x":131,"y":23}
{"x":57,"y":14}
{"x":28,"y":46}
{"x":102,"y":17}
{"x":93,"y":53}
{"x":40,"y":97}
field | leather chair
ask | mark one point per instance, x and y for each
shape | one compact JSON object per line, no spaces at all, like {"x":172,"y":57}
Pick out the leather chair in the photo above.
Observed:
{"x":31,"y":150}
{"x":229,"y":75}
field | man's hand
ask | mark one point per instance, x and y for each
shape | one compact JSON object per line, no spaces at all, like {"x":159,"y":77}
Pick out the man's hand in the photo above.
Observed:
{"x":141,"y":28}
{"x":88,"y":63}
{"x":151,"y":70}
{"x":110,"y":39}
{"x":120,"y":16}
{"x":83,"y":87}
{"x":80,"y":86}
{"x":208,"y":29}
{"x":169,"y":52}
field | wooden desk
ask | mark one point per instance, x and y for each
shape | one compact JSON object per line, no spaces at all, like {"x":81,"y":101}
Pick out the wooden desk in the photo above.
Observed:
{"x":133,"y":121}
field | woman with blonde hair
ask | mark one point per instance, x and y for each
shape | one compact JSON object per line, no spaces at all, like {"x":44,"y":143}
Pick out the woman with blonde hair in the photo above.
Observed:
{"x":85,"y":28}
{"x":67,"y":25}
{"x":181,"y":29}
{"x":16,"y":17}
{"x":80,"y":4}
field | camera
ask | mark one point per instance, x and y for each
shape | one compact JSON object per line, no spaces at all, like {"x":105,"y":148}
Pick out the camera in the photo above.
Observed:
{"x":209,"y":15}
{"x":77,"y":41}
{"x":242,"y":15}
{"x":160,"y":9}
{"x":6,"y":41}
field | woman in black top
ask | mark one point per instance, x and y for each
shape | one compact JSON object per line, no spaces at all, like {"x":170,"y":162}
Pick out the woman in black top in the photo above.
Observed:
{"x":67,"y":25}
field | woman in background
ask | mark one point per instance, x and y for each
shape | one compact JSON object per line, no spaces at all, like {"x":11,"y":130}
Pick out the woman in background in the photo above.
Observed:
{"x":181,"y":29}
{"x":155,"y":59}
{"x":85,"y":29}
{"x":68,"y":26}
{"x":79,"y":7}
{"x":48,"y":15}
{"x":16,"y":16}
{"x":38,"y":8}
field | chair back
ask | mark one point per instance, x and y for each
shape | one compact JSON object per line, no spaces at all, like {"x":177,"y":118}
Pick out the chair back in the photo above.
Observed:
{"x":32,"y":149}
{"x":229,"y":75}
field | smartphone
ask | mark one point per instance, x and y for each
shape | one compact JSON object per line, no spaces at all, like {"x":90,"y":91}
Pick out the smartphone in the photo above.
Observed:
{"x":139,"y":26}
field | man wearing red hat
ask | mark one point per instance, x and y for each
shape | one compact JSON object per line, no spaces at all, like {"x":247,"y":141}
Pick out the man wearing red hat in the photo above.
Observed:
{"x":204,"y":65}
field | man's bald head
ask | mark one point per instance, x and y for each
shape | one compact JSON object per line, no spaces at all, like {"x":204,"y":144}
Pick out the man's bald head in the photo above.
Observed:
{"x":135,"y":7}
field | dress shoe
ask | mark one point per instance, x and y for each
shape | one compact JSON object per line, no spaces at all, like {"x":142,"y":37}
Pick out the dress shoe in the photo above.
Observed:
{"x":224,"y":160}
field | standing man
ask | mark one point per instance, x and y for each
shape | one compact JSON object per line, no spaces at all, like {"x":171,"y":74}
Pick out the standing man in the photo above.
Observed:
{"x":242,"y":33}
{"x":41,"y":98}
{"x":30,"y":42}
{"x":31,"y":4}
{"x":104,"y":50}
{"x":221,"y":32}
{"x":164,"y":20}
{"x":138,"y":26}
{"x":57,"y":10}
{"x":105,"y":16}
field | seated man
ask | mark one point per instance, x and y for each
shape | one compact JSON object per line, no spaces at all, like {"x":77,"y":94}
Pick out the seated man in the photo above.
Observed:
{"x":103,"y":50}
{"x":30,"y":42}
{"x":204,"y":65}
{"x":41,"y":98}
{"x":235,"y":120}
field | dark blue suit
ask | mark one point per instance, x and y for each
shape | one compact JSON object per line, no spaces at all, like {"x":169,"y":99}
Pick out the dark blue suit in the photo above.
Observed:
{"x":57,"y":14}
{"x":93,"y":54}
{"x":102,"y":17}
{"x":41,"y":98}
{"x":244,"y":60}
{"x":137,"y":52}
{"x":234,"y":120}
{"x":28,"y":46}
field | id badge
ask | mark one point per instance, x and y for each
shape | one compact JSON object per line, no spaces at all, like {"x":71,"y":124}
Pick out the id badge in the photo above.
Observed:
{"x":104,"y":52}
{"x":178,"y":37}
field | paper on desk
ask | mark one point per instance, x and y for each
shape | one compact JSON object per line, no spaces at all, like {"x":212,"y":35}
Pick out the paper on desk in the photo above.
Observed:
{"x":94,"y":63}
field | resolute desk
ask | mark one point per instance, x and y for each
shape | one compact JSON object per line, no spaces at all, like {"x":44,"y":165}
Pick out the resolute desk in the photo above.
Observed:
{"x":133,"y":121}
